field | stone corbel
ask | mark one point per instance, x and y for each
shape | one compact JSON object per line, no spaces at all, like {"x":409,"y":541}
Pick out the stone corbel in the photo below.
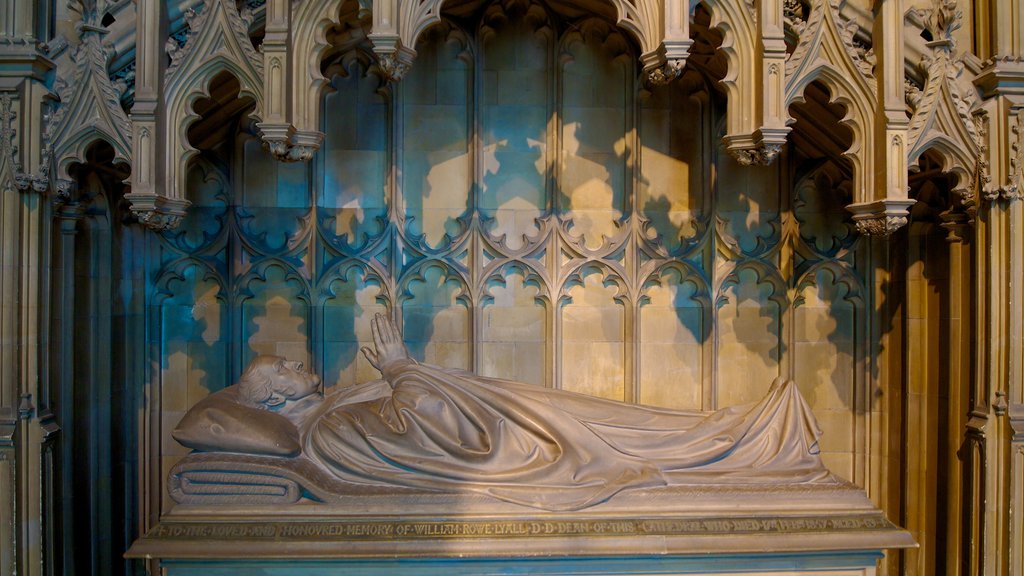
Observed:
{"x":667,"y":62}
{"x":396,"y":26}
{"x":157,"y":212}
{"x":881,"y":217}
{"x":276,"y":129}
{"x":755,"y":47}
{"x":958,"y":225}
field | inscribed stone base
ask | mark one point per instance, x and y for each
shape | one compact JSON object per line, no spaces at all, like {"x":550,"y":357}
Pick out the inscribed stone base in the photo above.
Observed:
{"x":789,"y":529}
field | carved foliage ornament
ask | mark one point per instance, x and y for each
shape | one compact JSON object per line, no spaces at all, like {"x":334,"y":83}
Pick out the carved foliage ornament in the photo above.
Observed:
{"x":943,"y":116}
{"x":761,"y":156}
{"x":10,"y":162}
{"x":881,"y":225}
{"x":1011,"y":191}
{"x":10,"y":167}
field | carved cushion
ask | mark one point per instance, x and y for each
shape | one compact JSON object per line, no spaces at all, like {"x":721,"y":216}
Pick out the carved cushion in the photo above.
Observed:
{"x":220,"y":423}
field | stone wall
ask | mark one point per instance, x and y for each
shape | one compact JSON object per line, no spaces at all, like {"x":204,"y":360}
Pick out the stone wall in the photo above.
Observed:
{"x":526,"y":208}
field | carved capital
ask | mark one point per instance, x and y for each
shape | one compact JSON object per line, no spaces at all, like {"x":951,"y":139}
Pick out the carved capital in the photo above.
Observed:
{"x":882,"y":217}
{"x":880,"y":225}
{"x":277,"y":148}
{"x":1009,"y":193}
{"x":667,"y":72}
{"x":158,"y":221}
{"x":301,"y":153}
{"x":288,"y":145}
{"x":762,"y":154}
{"x":394,"y":67}
{"x":393,"y":58}
{"x":758,"y":149}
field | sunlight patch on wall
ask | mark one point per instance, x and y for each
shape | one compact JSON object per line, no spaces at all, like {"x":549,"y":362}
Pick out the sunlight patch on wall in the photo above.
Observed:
{"x":749,"y":335}
{"x":671,"y":345}
{"x":513,"y":342}
{"x":347,"y":317}
{"x":437,"y":167}
{"x":593,"y":342}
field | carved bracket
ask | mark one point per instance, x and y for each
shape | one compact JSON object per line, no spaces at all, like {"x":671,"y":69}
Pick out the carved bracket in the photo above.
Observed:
{"x":759,"y":149}
{"x":157,"y":212}
{"x":882,"y":217}
{"x":754,"y":45}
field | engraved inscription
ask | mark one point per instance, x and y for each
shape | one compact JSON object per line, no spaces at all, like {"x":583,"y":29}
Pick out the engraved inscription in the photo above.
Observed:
{"x":410,"y":530}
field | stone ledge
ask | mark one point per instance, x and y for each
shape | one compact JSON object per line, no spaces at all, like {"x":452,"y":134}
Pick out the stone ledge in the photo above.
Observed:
{"x":677,"y":521}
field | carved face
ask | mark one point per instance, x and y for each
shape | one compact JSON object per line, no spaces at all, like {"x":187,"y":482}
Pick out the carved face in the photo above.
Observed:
{"x":290,"y":381}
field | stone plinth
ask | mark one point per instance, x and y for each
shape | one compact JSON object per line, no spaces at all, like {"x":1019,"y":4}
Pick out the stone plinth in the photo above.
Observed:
{"x":805,"y":529}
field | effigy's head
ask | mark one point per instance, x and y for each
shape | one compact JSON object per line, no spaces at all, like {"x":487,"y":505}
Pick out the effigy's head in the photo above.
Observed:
{"x":271,"y":381}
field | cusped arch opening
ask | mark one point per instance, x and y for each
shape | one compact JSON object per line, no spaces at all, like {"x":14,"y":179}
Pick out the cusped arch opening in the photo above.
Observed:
{"x":100,"y":184}
{"x":706,"y":55}
{"x":100,"y":165}
{"x":932,"y":184}
{"x":350,"y":31}
{"x":219,"y":113}
{"x":820,"y":131}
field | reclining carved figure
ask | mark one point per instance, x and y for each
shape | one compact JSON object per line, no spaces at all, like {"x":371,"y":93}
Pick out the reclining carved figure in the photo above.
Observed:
{"x":439,"y":429}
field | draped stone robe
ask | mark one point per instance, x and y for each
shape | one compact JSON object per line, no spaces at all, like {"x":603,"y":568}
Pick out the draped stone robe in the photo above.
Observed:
{"x":449,"y":430}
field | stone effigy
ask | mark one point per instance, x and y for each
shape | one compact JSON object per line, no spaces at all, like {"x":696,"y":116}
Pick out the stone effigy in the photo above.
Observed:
{"x":431,"y":428}
{"x":433,"y":465}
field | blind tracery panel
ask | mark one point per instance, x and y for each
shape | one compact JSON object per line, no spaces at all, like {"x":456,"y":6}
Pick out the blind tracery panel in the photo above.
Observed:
{"x":527,"y":209}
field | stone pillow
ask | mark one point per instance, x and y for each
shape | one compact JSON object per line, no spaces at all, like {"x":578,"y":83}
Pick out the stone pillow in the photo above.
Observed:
{"x":220,"y":423}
